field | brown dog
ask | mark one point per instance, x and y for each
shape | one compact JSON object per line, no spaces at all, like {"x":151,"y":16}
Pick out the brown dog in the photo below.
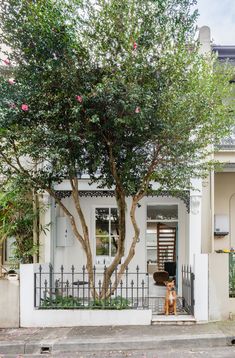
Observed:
{"x":170,"y":301}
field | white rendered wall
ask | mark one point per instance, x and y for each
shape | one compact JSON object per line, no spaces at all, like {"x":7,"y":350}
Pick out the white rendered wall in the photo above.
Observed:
{"x":31,"y":317}
{"x":201,"y":287}
{"x":225,"y":205}
{"x":207,"y":229}
{"x":9,"y":304}
{"x":221,"y":306}
{"x":195,"y":220}
{"x":74,"y":254}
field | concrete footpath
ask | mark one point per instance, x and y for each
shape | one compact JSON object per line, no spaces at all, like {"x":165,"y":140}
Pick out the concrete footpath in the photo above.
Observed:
{"x":81,"y":339}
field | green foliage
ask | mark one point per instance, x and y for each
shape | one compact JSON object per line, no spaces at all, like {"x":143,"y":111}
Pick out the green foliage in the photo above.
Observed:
{"x":143,"y":87}
{"x":117,"y":303}
{"x":115,"y":87}
{"x":61,"y":302}
{"x":16,"y":220}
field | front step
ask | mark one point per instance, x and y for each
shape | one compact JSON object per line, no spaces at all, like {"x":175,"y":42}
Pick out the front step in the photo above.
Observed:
{"x":173,"y":320}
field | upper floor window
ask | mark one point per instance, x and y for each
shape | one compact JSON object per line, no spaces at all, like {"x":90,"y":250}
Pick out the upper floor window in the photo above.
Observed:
{"x":106,"y":230}
{"x":228,"y":142}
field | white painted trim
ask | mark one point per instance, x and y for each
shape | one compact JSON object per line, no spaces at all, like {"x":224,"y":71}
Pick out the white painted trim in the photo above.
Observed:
{"x":93,"y":231}
{"x":154,"y":203}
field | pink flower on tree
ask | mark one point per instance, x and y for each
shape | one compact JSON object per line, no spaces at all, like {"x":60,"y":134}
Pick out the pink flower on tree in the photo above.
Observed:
{"x":79,"y":98}
{"x":25,"y":107}
{"x":137,"y":110}
{"x":11,"y":81}
{"x":7,"y":61}
{"x":135,"y":46}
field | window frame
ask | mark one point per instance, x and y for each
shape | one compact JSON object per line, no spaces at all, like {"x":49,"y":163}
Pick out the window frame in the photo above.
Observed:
{"x":109,"y":257}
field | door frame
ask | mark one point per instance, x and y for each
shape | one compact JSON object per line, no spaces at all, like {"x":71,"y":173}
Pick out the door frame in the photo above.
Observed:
{"x":158,"y":203}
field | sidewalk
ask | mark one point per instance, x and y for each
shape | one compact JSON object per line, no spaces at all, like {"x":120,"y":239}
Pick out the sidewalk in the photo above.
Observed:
{"x":46,"y":340}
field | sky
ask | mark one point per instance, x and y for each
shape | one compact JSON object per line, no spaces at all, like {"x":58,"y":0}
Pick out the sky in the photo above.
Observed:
{"x":219,"y":15}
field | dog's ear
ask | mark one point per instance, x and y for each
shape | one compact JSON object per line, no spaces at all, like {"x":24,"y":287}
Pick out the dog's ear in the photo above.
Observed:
{"x":165,"y":283}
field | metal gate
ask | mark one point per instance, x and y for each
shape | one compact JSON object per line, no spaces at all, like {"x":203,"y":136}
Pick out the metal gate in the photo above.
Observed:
{"x":188,"y":278}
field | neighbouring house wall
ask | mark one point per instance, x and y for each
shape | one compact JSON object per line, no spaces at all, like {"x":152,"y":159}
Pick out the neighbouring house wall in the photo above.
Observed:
{"x":9,"y":304}
{"x":207,"y":214}
{"x":225,"y":205}
{"x":220,"y":305}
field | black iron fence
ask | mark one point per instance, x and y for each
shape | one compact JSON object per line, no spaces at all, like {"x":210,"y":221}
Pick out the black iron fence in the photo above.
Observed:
{"x":188,"y":278}
{"x":71,"y":289}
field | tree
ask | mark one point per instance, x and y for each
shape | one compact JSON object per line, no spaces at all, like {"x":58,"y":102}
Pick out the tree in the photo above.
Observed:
{"x":116,"y":87}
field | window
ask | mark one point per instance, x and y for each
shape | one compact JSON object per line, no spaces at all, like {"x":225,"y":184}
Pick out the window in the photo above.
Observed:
{"x":162,"y":212}
{"x":106,"y":229}
{"x":8,"y":249}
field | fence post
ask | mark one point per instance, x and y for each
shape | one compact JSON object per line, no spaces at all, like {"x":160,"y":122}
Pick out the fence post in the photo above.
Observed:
{"x":192,"y":292}
{"x":94,"y":282}
{"x":183,"y":288}
{"x":62,"y":279}
{"x":126,"y":282}
{"x":137,"y":285}
{"x":83,"y":286}
{"x":40,"y":284}
{"x":50,"y":280}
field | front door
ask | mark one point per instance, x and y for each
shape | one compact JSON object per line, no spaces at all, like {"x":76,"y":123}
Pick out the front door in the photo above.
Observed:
{"x":166,"y":247}
{"x":161,"y":238}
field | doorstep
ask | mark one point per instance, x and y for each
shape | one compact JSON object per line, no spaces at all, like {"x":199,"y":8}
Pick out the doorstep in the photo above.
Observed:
{"x":172,"y":319}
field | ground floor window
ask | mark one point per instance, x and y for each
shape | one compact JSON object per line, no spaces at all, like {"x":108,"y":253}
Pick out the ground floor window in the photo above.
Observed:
{"x":8,"y":250}
{"x":106,"y":230}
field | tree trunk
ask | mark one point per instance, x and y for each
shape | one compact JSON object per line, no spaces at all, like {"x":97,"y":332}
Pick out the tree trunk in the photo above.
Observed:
{"x":84,"y":240}
{"x":121,"y":203}
{"x":131,"y":251}
{"x":87,"y":246}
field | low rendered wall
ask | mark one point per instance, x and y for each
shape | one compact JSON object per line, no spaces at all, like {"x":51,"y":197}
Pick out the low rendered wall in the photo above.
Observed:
{"x":220,"y":305}
{"x":31,"y":317}
{"x":9,"y":304}
{"x":201,"y":287}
